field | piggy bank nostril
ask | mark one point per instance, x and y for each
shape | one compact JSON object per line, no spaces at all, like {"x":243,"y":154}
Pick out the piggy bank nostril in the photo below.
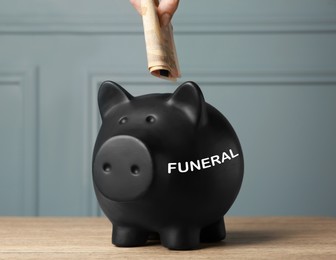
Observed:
{"x":107,"y":168}
{"x":135,"y":170}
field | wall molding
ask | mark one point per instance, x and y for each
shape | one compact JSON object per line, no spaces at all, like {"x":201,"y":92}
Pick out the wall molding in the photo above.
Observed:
{"x":135,"y":80}
{"x":195,"y":24}
{"x":26,"y":81}
{"x":219,"y":77}
{"x":91,"y":128}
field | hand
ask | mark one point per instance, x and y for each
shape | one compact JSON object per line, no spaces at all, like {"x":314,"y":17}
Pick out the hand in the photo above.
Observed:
{"x":166,"y":9}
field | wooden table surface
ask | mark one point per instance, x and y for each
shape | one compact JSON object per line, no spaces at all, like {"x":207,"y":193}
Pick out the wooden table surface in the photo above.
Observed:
{"x":90,"y":238}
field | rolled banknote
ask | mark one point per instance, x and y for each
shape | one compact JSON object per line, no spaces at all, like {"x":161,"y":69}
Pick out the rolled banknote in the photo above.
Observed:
{"x":160,"y":45}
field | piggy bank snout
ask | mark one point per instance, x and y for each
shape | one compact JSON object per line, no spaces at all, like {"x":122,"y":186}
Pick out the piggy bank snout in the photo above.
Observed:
{"x":123,"y":168}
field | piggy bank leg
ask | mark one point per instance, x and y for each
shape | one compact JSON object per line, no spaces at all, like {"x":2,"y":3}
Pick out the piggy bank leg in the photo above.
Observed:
{"x":128,"y":236}
{"x":180,"y":238}
{"x":214,"y":232}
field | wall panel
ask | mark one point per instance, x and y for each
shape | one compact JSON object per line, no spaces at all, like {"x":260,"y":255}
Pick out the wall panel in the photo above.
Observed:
{"x":18,"y":142}
{"x":268,"y":65}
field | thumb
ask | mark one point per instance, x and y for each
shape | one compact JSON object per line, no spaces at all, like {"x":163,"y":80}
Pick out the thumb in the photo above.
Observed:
{"x":137,"y":5}
{"x":166,"y":10}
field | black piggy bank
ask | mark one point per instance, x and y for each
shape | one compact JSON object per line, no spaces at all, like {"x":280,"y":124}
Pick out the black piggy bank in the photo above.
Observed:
{"x":165,"y":166}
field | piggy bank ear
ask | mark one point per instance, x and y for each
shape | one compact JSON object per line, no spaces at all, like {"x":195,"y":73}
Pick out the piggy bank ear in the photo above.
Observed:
{"x":111,"y":94}
{"x":189,"y":98}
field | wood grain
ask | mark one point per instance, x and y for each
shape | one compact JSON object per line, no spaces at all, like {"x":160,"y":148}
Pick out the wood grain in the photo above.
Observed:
{"x":90,"y":238}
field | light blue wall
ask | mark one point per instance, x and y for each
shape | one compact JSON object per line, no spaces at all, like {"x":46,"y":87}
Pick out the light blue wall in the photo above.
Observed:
{"x":269,"y":66}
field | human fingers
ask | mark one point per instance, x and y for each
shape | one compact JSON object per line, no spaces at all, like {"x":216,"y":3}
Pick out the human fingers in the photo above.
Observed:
{"x":166,"y":10}
{"x":137,"y":5}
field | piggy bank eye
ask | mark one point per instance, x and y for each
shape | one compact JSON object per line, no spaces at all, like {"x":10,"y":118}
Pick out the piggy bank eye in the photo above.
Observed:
{"x":123,"y":120}
{"x":150,"y":119}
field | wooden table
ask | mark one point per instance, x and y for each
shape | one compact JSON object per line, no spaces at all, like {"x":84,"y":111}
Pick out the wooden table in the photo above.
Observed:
{"x":90,"y":238}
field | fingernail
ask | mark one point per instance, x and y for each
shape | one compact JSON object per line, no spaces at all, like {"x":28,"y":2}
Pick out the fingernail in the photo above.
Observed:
{"x":165,"y":19}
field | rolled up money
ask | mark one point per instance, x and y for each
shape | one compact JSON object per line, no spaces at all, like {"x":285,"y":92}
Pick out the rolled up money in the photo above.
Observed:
{"x":160,"y":45}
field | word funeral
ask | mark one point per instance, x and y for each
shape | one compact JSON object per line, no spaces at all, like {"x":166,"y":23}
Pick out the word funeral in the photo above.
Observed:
{"x":200,"y":164}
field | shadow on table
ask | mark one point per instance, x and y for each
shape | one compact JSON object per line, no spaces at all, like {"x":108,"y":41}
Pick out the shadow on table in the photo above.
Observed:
{"x":248,"y":237}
